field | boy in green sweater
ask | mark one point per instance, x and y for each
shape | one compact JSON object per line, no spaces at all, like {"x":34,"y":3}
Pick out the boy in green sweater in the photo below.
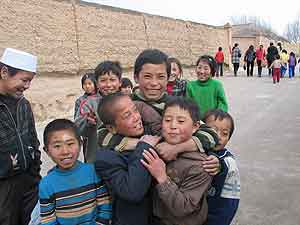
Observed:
{"x":207,"y":92}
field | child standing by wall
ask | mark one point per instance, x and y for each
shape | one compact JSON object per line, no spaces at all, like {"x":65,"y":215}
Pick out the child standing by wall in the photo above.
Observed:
{"x":180,"y":193}
{"x":224,"y":193}
{"x":276,"y":65}
{"x":71,"y":193}
{"x":88,"y":84}
{"x":219,"y":57}
{"x":176,"y":86}
{"x":206,"y":92}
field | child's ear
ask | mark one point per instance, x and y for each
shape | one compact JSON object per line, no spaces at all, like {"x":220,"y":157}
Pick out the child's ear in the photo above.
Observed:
{"x":112,"y":129}
{"x":196,"y":126}
{"x":4,"y":73}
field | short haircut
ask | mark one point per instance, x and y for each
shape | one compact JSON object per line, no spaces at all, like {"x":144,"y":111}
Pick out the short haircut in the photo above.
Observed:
{"x":185,"y":104}
{"x":89,"y":76}
{"x":175,"y":60}
{"x":106,"y":107}
{"x":210,"y":61}
{"x":220,"y":48}
{"x":107,"y":67}
{"x":125,"y":82}
{"x":58,"y":125}
{"x":151,"y":56}
{"x":277,"y":56}
{"x":11,"y":70}
{"x":219,"y":114}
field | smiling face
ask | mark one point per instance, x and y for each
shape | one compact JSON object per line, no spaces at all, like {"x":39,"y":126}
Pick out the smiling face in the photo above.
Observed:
{"x":88,"y":86}
{"x":63,"y":148}
{"x":152,"y":80}
{"x":222,"y":127}
{"x":175,"y":72}
{"x":127,"y":118}
{"x":203,"y":71}
{"x":108,"y":83}
{"x":177,"y":125}
{"x":17,"y":84}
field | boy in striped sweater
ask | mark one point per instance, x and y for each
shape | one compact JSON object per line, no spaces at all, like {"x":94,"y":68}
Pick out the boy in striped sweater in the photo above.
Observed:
{"x":71,"y":193}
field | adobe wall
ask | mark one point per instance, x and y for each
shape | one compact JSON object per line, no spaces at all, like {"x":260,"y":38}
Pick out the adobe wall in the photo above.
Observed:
{"x":70,"y":36}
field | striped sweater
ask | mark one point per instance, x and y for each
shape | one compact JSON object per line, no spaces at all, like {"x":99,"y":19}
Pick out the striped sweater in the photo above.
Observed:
{"x":75,"y":196}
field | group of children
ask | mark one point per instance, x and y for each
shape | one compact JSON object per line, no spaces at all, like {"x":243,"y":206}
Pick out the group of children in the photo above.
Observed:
{"x":282,"y":62}
{"x":150,"y":158}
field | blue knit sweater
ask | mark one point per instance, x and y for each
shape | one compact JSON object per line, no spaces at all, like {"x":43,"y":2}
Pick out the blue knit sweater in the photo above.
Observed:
{"x":75,"y":196}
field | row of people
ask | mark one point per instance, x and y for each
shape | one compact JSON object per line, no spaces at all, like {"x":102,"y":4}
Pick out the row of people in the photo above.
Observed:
{"x":288,"y":61}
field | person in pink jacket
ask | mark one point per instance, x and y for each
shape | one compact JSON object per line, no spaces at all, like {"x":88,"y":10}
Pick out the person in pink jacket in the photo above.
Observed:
{"x":260,"y":58}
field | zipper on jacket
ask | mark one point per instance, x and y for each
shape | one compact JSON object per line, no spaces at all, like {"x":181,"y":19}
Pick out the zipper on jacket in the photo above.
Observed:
{"x":17,"y":131}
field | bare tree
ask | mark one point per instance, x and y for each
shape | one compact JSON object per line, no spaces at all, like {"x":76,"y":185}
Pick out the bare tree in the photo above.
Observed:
{"x":257,"y":21}
{"x":292,"y":31}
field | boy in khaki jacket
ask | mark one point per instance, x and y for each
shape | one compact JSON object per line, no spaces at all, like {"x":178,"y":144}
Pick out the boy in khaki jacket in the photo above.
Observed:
{"x":180,"y":193}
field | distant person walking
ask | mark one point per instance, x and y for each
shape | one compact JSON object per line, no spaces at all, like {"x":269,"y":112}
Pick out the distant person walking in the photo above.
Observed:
{"x":260,"y":58}
{"x":292,"y":64}
{"x":235,"y":58}
{"x":271,"y":53}
{"x":219,"y":57}
{"x":276,"y":65}
{"x":284,"y":57}
{"x":249,"y":59}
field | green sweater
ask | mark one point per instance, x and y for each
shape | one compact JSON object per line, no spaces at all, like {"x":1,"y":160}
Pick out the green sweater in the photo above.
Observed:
{"x":208,"y":95}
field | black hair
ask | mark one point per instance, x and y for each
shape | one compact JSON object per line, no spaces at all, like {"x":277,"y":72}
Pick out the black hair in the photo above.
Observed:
{"x":285,"y":51}
{"x":89,"y":76}
{"x":185,"y":104}
{"x":236,"y":44}
{"x":277,"y":56}
{"x":175,"y":60}
{"x":11,"y":70}
{"x":58,"y":125}
{"x":220,"y":48}
{"x":125,"y":82}
{"x":211,"y":62}
{"x":106,"y":107}
{"x":107,"y":67}
{"x":219,"y":114}
{"x":151,"y":56}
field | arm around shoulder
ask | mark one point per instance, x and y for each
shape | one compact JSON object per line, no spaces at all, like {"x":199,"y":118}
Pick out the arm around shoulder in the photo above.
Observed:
{"x":127,"y":177}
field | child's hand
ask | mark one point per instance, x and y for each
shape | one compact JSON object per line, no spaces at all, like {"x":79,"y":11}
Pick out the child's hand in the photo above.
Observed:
{"x":150,"y":139}
{"x":211,"y":165}
{"x":155,"y":165}
{"x":166,"y":151}
{"x":91,"y":118}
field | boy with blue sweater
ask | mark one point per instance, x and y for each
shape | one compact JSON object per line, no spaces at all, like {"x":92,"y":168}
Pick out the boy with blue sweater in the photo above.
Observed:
{"x":71,"y":193}
{"x":224,"y":194}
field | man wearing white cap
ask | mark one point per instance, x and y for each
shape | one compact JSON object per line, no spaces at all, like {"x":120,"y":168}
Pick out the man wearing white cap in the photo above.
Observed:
{"x":19,"y":146}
